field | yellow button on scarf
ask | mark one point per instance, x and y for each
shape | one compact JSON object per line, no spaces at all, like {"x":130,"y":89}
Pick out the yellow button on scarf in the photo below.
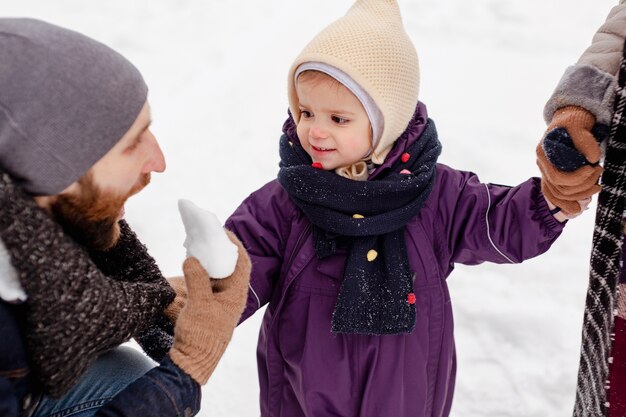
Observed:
{"x":371,"y":255}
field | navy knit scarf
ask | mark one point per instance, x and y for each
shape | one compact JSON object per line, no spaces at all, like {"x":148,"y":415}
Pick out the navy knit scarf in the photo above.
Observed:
{"x":376,"y":295}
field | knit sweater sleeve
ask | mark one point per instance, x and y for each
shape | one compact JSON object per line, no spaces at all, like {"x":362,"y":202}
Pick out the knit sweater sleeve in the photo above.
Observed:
{"x":493,"y":223}
{"x":130,"y":261}
{"x":591,"y":82}
{"x":75,"y":311}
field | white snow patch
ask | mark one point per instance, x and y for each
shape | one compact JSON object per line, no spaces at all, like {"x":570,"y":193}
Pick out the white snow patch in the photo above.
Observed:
{"x":10,"y":287}
{"x":207,"y":241}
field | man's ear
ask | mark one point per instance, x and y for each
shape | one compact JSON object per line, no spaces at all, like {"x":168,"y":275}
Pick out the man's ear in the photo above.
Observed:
{"x":45,"y":201}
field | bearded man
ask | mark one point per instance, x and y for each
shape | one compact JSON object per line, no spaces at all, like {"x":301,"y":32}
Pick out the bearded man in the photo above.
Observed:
{"x":75,"y":281}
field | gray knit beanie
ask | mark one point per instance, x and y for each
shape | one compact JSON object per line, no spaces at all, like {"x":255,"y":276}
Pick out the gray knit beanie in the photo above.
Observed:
{"x":65,"y":101}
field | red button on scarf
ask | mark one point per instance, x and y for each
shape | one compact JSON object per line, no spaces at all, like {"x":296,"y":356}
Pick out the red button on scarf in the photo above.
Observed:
{"x":411,"y":298}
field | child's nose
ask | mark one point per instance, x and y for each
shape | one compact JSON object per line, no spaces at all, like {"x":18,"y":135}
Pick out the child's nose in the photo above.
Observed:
{"x":318,"y":132}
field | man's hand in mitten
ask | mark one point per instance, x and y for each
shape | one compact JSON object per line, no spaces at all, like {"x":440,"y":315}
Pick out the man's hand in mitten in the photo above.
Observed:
{"x":568,"y":157}
{"x":207,"y":321}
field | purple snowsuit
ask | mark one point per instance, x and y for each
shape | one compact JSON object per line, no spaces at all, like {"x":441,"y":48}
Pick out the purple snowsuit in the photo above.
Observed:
{"x":304,"y":369}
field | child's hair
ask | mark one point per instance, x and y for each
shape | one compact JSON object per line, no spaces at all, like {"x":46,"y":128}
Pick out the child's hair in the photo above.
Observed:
{"x":315,"y":77}
{"x":370,"y":48}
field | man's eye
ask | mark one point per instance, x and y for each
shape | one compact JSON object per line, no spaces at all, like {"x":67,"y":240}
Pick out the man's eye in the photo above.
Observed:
{"x":340,"y":120}
{"x":305,"y":113}
{"x":134,"y":145}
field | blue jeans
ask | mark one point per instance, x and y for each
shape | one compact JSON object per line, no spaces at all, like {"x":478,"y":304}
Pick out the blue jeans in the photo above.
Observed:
{"x":110,"y":374}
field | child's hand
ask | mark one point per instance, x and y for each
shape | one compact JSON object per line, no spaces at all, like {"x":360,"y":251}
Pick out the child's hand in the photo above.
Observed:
{"x":560,"y":216}
{"x":207,"y":241}
{"x":568,"y":157}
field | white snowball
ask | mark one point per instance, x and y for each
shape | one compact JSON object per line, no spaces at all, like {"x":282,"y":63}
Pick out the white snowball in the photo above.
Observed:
{"x":10,"y":287}
{"x":207,"y":241}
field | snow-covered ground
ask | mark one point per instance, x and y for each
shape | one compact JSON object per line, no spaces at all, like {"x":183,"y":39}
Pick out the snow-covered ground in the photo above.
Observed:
{"x":217,"y":73}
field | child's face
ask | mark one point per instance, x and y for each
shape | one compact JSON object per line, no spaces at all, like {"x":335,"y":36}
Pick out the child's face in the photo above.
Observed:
{"x":334,"y":128}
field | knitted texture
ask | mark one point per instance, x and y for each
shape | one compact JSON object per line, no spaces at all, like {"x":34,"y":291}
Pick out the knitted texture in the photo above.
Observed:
{"x":75,"y":312}
{"x":369,"y":217}
{"x":370,"y":44}
{"x":591,"y":394}
{"x":157,"y":339}
{"x":213,"y":308}
{"x":568,"y":158}
{"x":130,"y":261}
{"x":65,"y":101}
{"x":579,"y":123}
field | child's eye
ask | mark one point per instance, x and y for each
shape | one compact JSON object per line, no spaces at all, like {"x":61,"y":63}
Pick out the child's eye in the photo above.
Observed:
{"x":305,"y":113}
{"x":340,"y":120}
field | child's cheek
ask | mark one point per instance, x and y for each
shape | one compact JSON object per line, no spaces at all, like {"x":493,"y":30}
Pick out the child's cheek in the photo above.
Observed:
{"x":303,"y":137}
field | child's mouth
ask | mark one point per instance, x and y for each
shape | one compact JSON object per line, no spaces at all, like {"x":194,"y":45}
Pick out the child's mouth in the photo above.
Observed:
{"x":321,"y":149}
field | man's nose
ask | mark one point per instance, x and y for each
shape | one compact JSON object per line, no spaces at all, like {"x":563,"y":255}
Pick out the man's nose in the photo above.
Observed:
{"x":156,"y":160}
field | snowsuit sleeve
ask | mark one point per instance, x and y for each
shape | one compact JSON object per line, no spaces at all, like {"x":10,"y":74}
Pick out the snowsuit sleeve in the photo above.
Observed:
{"x":591,"y":82}
{"x":493,"y":223}
{"x":262,"y":223}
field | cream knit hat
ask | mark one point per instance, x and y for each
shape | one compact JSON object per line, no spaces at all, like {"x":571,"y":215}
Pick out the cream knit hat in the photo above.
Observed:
{"x":370,"y":44}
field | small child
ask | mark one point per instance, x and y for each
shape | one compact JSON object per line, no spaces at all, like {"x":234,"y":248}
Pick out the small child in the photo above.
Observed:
{"x":352,"y":244}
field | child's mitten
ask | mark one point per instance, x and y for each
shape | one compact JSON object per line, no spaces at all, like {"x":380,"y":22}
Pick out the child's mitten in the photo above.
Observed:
{"x":568,"y":157}
{"x":579,"y":125}
{"x":208,"y":319}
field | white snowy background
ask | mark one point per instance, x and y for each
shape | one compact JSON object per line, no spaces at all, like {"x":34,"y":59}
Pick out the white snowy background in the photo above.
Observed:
{"x":217,"y":77}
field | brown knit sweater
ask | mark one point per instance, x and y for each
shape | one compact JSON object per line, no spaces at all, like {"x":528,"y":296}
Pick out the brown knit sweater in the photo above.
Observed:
{"x":79,"y":304}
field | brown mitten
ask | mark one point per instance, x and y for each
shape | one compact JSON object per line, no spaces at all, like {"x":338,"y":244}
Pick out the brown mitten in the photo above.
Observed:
{"x":570,"y":143}
{"x":578,"y":122}
{"x":173,"y":310}
{"x":206,"y":322}
{"x":565,"y":189}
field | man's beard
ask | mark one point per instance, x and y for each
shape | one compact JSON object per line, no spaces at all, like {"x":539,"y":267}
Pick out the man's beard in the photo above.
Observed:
{"x":91,"y":217}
